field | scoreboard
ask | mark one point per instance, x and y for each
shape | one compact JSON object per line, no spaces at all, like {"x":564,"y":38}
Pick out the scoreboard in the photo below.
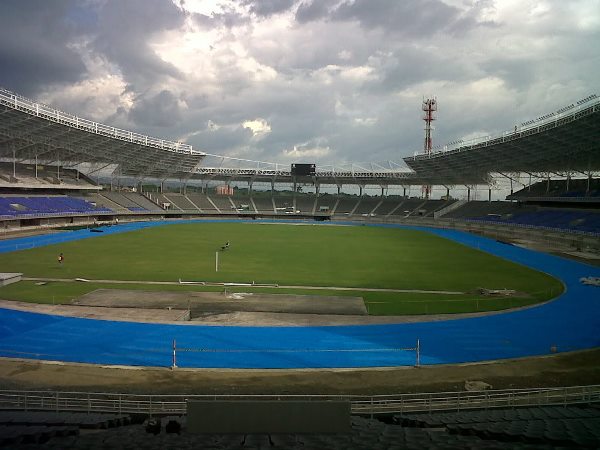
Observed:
{"x":303,"y":170}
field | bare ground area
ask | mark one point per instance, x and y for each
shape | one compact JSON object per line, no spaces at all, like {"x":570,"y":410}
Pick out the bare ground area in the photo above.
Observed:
{"x":569,"y":369}
{"x":166,"y":314}
{"x":215,"y":302}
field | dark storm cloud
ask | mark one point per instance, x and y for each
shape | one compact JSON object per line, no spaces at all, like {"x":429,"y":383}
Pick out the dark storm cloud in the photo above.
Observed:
{"x":407,"y":66}
{"x":311,"y":10}
{"x":34,"y":39}
{"x":220,"y":140}
{"x":125,"y":29}
{"x":517,"y":73}
{"x":316,"y":45}
{"x":226,"y":17}
{"x":410,"y":18}
{"x":267,"y":8}
{"x":160,"y":110}
{"x":415,"y":18}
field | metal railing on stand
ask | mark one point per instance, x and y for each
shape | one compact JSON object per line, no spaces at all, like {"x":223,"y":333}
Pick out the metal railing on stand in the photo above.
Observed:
{"x":365,"y":405}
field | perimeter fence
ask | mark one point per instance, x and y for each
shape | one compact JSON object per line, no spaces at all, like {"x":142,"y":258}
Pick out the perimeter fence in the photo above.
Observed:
{"x":178,"y":350}
{"x":95,"y":402}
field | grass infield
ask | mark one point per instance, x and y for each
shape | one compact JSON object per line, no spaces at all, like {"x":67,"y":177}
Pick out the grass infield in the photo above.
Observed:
{"x":295,"y":255}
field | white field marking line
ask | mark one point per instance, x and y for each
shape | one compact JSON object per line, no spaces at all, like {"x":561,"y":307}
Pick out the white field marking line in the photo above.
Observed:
{"x":304,"y":224}
{"x":337,"y":288}
{"x":216,"y":284}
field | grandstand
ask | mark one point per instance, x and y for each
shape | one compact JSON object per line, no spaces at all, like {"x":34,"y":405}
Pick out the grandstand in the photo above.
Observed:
{"x":202,"y":202}
{"x":366,"y":206}
{"x":79,"y":426}
{"x":264,"y":204}
{"x":37,"y":155}
{"x":569,"y":190}
{"x":223,"y":203}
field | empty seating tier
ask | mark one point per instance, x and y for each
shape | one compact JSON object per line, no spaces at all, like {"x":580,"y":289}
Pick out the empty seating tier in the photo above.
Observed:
{"x":264,"y":204}
{"x":15,"y":206}
{"x":171,"y":433}
{"x":367,"y":205}
{"x":202,"y":201}
{"x":346,"y":205}
{"x":223,"y":203}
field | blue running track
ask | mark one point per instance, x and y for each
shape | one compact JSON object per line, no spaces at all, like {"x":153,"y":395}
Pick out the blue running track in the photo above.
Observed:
{"x":571,"y":322}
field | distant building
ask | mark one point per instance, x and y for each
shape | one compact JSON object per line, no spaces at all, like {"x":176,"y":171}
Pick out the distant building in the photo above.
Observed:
{"x":224,"y":190}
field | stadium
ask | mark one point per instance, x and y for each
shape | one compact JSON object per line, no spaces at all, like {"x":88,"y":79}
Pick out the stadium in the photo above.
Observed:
{"x":178,"y":266}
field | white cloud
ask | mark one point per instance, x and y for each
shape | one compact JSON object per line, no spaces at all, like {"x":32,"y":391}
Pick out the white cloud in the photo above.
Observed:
{"x":259,"y":127}
{"x":306,"y":151}
{"x":208,"y":7}
{"x":365,"y":121}
{"x":359,"y":73}
{"x":95,"y":97}
{"x":210,"y":125}
{"x":345,"y":55}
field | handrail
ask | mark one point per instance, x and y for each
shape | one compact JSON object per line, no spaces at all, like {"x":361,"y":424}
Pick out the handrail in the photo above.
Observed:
{"x":543,"y":123}
{"x":288,"y":173}
{"x":20,"y":103}
{"x":529,"y":226}
{"x":28,"y":106}
{"x":360,"y":404}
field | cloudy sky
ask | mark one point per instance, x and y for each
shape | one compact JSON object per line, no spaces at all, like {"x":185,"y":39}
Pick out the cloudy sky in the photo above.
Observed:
{"x":326,"y":81}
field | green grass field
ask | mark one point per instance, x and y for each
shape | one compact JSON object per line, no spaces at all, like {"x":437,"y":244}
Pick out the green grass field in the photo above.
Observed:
{"x":291,"y":255}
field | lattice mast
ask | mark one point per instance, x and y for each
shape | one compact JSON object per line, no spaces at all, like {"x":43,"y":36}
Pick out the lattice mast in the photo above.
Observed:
{"x":429,"y":108}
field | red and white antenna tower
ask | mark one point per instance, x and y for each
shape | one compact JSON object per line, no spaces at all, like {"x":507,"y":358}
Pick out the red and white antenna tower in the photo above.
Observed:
{"x":429,"y":108}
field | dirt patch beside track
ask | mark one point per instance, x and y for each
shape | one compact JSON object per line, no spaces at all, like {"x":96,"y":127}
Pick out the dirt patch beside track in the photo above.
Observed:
{"x":215,"y":302}
{"x":570,"y":369}
{"x":231,"y":318}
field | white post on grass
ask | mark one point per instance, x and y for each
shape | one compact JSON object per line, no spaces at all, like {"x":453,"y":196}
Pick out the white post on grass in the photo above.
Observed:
{"x":216,"y":261}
